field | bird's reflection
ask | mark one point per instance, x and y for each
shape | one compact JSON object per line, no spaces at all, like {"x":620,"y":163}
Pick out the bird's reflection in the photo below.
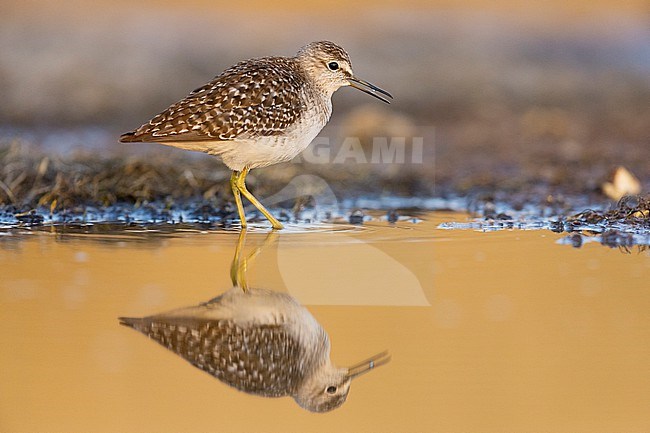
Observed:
{"x":258,"y":341}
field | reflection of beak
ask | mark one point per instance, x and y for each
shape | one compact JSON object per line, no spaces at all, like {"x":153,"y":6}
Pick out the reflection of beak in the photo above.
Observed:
{"x":370,"y":89}
{"x":368,"y":364}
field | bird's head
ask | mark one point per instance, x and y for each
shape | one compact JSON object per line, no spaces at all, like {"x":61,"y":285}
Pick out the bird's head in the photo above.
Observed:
{"x":330,"y":67}
{"x":328,"y":387}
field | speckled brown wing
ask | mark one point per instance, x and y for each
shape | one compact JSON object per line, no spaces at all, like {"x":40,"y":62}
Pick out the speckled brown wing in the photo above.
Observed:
{"x":258,"y":97}
{"x":262,"y":360}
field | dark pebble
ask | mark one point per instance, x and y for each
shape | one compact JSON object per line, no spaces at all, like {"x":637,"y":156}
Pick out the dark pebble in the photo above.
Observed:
{"x":356,"y":217}
{"x":392,"y":216}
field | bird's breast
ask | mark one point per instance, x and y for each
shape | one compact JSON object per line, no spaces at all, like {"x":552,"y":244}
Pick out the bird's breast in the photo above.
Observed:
{"x":262,"y":151}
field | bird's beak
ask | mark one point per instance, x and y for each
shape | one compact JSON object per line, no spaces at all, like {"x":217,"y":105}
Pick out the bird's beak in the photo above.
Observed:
{"x":370,"y":89}
{"x":368,"y":364}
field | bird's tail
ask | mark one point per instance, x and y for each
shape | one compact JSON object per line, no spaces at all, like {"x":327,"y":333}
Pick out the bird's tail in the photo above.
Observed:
{"x":131,"y":322}
{"x":129,"y":137}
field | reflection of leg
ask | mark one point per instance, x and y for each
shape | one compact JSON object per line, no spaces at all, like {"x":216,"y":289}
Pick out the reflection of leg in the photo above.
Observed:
{"x":235,"y":191}
{"x":271,"y":237}
{"x":241,"y":186}
{"x":236,"y":276}
{"x":239,"y":266}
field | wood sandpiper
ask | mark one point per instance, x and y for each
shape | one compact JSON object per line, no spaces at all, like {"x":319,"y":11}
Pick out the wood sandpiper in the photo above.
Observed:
{"x":258,"y":341}
{"x":257,"y":113}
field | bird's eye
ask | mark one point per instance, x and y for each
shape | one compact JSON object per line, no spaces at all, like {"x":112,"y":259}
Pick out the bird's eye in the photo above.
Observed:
{"x":331,"y":389}
{"x":333,"y":66}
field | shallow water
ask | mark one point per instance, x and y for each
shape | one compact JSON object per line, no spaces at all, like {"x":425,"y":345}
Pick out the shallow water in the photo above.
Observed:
{"x":503,"y":331}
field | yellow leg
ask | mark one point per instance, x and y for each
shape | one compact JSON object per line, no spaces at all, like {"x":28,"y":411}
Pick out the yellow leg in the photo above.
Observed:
{"x":235,"y":191}
{"x":240,"y":182}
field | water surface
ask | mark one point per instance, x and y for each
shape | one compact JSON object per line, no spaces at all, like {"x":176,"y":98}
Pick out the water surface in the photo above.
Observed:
{"x":504,"y":331}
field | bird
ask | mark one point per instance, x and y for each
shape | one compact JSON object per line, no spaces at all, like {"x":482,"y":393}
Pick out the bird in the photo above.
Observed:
{"x":257,"y":113}
{"x":258,"y":341}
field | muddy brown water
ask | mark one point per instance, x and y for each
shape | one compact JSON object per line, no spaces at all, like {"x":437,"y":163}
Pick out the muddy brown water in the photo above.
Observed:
{"x":505,"y":331}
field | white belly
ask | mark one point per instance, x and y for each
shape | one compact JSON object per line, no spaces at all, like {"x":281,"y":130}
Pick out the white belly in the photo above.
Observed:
{"x":265,"y":151}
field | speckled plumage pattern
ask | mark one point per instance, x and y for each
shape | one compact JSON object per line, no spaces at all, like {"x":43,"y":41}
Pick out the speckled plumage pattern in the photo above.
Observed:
{"x":255,"y":98}
{"x":258,"y":341}
{"x":262,"y":360}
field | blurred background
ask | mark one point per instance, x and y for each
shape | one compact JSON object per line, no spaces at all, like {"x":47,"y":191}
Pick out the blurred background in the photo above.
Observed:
{"x":506,"y":95}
